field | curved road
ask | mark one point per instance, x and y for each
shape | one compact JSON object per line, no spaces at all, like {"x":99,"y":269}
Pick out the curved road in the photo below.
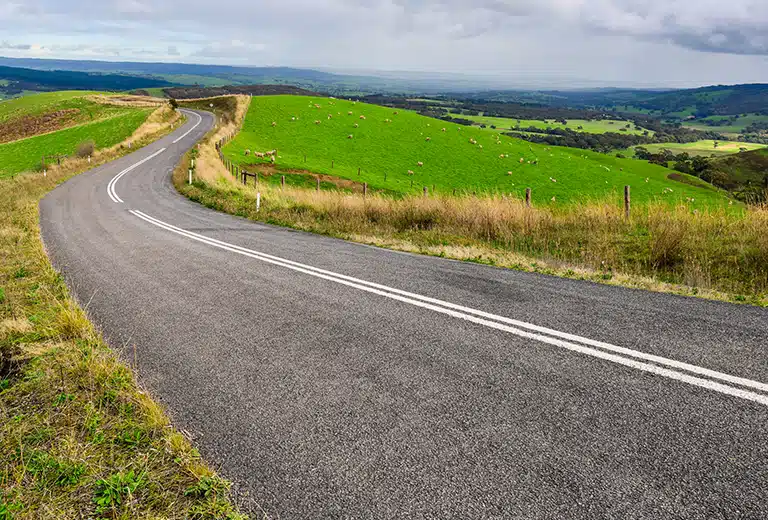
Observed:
{"x":335,"y":380}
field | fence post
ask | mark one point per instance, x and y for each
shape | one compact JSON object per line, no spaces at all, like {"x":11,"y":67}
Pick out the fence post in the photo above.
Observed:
{"x":282,"y":181}
{"x":527,"y":197}
{"x":365,"y":189}
{"x":358,"y":172}
{"x":425,"y":191}
{"x":258,"y":202}
{"x":190,"y":175}
{"x":317,"y":183}
{"x":626,"y":202}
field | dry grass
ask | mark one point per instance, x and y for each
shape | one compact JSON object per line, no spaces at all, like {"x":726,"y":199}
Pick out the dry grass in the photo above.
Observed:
{"x":716,"y":254}
{"x":125,"y":100}
{"x":230,"y":119}
{"x":78,"y":437}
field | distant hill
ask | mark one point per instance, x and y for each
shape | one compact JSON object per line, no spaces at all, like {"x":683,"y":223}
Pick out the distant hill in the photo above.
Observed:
{"x":745,"y":173}
{"x":254,"y":90}
{"x":17,"y":80}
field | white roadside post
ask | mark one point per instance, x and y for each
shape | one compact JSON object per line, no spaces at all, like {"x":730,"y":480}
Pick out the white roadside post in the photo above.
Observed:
{"x":89,"y":159}
{"x":190,"y":175}
{"x":258,"y":202}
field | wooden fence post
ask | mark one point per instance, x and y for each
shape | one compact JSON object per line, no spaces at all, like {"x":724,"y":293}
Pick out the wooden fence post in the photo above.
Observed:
{"x":358,"y":172}
{"x":527,"y":197}
{"x":365,"y":189}
{"x":282,"y":181}
{"x":626,"y":202}
{"x":317,"y":183}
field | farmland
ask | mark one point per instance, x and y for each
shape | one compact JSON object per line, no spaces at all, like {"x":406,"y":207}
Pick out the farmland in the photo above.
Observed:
{"x":387,"y":144}
{"x":56,"y":123}
{"x":735,"y":124}
{"x":25,"y":154}
{"x":577,"y":125}
{"x":706,"y":148}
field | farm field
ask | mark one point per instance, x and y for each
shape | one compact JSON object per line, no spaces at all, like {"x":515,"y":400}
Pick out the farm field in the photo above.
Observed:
{"x":705,"y":148}
{"x":42,"y":113}
{"x":735,"y":126}
{"x":387,"y":144}
{"x":25,"y":154}
{"x":591,"y":127}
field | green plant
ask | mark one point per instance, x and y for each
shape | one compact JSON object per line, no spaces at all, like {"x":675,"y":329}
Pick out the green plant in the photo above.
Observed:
{"x":113,"y":490}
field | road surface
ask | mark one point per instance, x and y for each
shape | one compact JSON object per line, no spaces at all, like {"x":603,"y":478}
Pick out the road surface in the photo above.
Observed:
{"x":335,"y":380}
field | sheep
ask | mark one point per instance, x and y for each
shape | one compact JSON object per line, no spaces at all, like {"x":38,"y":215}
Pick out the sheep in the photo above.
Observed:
{"x":522,"y":160}
{"x":274,"y":123}
{"x":272,"y":159}
{"x":509,"y":173}
{"x":481,"y":146}
{"x":410,"y":172}
{"x":395,"y":112}
{"x":553,"y":199}
{"x":553,"y":180}
{"x":259,"y":154}
{"x":247,"y":153}
{"x":429,"y":139}
{"x":362,"y":117}
{"x":501,"y":156}
{"x":356,"y":125}
{"x":349,"y":113}
{"x":442,"y":130}
{"x":419,"y":163}
{"x":349,"y":136}
{"x":317,"y":121}
{"x":293,"y":119}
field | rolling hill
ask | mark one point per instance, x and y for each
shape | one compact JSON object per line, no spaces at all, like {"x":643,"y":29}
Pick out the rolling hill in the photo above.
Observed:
{"x":337,"y":137}
{"x":56,"y":123}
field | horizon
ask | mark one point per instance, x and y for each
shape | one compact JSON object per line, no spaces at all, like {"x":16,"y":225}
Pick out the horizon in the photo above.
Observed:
{"x":587,"y":42}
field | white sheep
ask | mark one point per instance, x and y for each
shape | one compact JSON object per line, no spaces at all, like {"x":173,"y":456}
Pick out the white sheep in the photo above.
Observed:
{"x":410,"y":172}
{"x":317,"y":121}
{"x":274,"y":123}
{"x":349,"y":136}
{"x":429,"y":139}
{"x":356,"y":125}
{"x":247,"y":153}
{"x":419,"y":163}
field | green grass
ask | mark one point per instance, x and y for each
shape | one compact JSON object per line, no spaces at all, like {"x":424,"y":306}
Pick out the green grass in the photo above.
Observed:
{"x":51,"y":101}
{"x":735,"y":126}
{"x":450,"y":160}
{"x":156,"y":92}
{"x":705,"y":148}
{"x":25,"y":154}
{"x":589,"y":127}
{"x":78,"y":437}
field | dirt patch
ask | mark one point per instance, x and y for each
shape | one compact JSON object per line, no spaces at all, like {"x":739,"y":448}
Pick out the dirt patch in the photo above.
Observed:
{"x":29,"y":126}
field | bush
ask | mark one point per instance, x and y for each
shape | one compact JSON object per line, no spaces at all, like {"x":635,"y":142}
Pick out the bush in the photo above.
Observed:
{"x":85,"y":149}
{"x":174,"y":104}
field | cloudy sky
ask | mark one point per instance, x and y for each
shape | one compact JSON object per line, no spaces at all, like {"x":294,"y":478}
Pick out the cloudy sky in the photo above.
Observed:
{"x":620,"y":42}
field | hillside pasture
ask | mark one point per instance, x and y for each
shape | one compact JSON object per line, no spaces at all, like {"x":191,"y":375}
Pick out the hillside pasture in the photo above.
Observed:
{"x":734,"y":126}
{"x":43,"y":113}
{"x":399,"y":151}
{"x":577,"y":125}
{"x":705,"y":148}
{"x":25,"y":154}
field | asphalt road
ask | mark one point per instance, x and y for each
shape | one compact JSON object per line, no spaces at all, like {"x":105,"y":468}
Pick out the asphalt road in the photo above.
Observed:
{"x":336,"y":380}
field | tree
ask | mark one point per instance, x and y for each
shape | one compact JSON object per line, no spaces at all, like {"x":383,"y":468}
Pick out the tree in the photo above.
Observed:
{"x":174,"y":104}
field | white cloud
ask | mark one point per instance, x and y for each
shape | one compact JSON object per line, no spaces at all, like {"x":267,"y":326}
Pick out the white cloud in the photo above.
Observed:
{"x":649,"y":41}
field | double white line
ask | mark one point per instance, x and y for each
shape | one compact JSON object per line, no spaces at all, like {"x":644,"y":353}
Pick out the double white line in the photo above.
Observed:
{"x":111,"y":186}
{"x":679,"y":371}
{"x":199,"y":120}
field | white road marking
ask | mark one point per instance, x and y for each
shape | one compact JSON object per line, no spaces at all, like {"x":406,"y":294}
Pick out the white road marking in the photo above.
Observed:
{"x":502,"y":323}
{"x":199,"y":120}
{"x":111,"y":186}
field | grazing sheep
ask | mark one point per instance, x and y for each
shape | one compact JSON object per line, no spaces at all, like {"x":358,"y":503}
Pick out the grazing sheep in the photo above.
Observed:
{"x":429,"y":139}
{"x":553,"y":180}
{"x":356,"y":125}
{"x":274,"y":123}
{"x":553,"y":199}
{"x":522,"y":160}
{"x":410,"y":172}
{"x":349,"y":136}
{"x":419,"y":163}
{"x":272,"y":159}
{"x":259,"y":154}
{"x":247,"y":153}
{"x":362,"y":117}
{"x":443,"y":130}
{"x":481,"y":146}
{"x":317,"y":122}
{"x":501,"y":156}
{"x":293,"y":119}
{"x":509,"y":173}
{"x":349,"y":113}
{"x":395,"y":112}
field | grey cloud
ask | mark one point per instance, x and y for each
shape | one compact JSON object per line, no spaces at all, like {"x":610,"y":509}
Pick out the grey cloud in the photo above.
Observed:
{"x":173,"y":51}
{"x":16,"y":47}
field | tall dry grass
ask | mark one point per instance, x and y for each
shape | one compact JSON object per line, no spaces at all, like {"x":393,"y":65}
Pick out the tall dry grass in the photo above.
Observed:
{"x":659,"y":247}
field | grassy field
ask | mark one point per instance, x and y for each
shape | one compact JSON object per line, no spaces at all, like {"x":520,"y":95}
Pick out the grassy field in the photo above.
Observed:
{"x":735,"y":126}
{"x":385,"y":152}
{"x":706,"y":148}
{"x":78,"y":437}
{"x":577,"y":125}
{"x":25,"y":154}
{"x":52,"y":101}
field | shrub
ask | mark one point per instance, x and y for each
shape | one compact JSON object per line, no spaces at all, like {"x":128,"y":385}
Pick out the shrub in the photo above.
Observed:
{"x":85,"y":149}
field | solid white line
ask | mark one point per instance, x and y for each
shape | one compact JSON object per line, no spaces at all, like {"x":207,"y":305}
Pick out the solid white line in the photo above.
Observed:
{"x":509,"y":321}
{"x":199,"y":120}
{"x":112,"y":183}
{"x":444,"y":309}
